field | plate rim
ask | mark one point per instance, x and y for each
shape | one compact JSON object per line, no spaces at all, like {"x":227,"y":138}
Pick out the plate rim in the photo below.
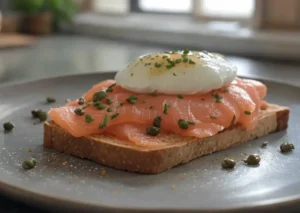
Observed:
{"x":21,"y":194}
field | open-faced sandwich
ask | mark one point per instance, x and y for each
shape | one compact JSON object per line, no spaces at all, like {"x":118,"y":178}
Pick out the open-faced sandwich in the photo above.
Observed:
{"x":162,"y":110}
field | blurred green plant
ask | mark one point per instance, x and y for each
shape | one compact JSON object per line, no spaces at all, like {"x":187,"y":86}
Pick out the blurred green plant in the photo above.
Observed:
{"x":62,"y":10}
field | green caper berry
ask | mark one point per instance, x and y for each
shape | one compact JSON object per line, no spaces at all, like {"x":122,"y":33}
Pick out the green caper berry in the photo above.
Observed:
{"x":228,"y":163}
{"x":29,"y":164}
{"x":183,"y":124}
{"x":81,"y":101}
{"x":152,"y":131}
{"x":252,"y":159}
{"x":109,"y":110}
{"x":101,"y":106}
{"x":34,"y":113}
{"x":157,"y":121}
{"x":42,"y":115}
{"x":286,"y":147}
{"x":8,"y":126}
{"x":50,"y":100}
{"x":98,"y":96}
{"x":79,"y":111}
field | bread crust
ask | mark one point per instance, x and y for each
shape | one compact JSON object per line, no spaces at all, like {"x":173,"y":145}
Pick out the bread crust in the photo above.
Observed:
{"x":124,"y":155}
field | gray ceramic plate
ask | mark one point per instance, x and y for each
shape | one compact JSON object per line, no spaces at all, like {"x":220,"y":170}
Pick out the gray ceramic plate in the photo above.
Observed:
{"x":63,"y":182}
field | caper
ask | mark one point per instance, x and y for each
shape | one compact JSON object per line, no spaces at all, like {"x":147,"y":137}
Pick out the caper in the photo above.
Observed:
{"x":157,"y":121}
{"x":8,"y":126}
{"x":42,"y":115}
{"x":152,"y":131}
{"x":79,"y":111}
{"x":98,"y":96}
{"x":252,"y":159}
{"x":34,"y":113}
{"x":50,"y":100}
{"x":100,"y":106}
{"x":183,"y":124}
{"x":287,"y":147}
{"x":29,"y":164}
{"x":81,"y":101}
{"x":228,"y":163}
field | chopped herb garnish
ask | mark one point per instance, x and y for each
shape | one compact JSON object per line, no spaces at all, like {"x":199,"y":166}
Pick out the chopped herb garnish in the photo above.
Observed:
{"x":104,"y":124}
{"x":174,"y":74}
{"x":50,"y":100}
{"x":217,"y":97}
{"x":226,"y":90}
{"x":110,"y":89}
{"x":157,"y":65}
{"x":121,"y":104}
{"x":98,"y":96}
{"x":191,"y":62}
{"x":180,"y":96}
{"x":144,"y":102}
{"x":109,"y":110}
{"x":157,"y":121}
{"x":153,"y":93}
{"x":170,"y":61}
{"x":166,"y":108}
{"x":81,"y":101}
{"x":169,"y":66}
{"x":213,"y":117}
{"x":185,"y":60}
{"x":152,"y":131}
{"x":131,"y":74}
{"x":132,"y":99}
{"x":108,"y":101}
{"x":101,"y":106}
{"x":178,"y":60}
{"x":165,"y":57}
{"x":79,"y":111}
{"x":186,"y":51}
{"x":183,"y":124}
{"x":114,"y":116}
{"x":247,"y":112}
{"x":8,"y":126}
{"x":89,"y":118}
{"x":191,"y":122}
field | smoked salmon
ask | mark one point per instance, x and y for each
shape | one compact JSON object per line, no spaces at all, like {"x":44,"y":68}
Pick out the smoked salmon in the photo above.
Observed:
{"x":127,"y":115}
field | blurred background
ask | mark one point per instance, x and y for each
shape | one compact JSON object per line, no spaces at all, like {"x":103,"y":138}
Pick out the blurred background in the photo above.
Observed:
{"x":44,"y":38}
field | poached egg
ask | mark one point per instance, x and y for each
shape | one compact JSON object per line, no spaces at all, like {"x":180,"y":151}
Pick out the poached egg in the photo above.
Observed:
{"x":177,"y":72}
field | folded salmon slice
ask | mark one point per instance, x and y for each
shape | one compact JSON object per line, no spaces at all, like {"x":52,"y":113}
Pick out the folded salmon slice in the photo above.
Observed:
{"x":211,"y":112}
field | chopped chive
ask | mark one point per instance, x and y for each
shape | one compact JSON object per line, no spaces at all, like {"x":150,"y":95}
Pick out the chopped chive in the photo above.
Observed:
{"x":217,"y":97}
{"x":166,"y":108}
{"x":89,"y":118}
{"x":247,"y":112}
{"x":132,"y":99}
{"x":213,"y":117}
{"x":174,"y":74}
{"x":104,"y":124}
{"x":114,"y":116}
{"x":185,"y":60}
{"x":165,"y":57}
{"x":153,"y":93}
{"x":108,"y":101}
{"x":180,"y":96}
{"x":101,"y":106}
{"x":169,"y":66}
{"x":109,"y":110}
{"x":183,"y":124}
{"x":191,"y":122}
{"x":157,"y":121}
{"x":152,"y":131}
{"x":186,"y":51}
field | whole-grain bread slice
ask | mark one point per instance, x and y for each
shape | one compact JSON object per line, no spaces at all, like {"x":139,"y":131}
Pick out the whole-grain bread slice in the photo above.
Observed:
{"x":125,"y":155}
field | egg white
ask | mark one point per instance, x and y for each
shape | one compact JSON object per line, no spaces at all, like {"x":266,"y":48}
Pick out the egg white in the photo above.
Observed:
{"x":192,"y":72}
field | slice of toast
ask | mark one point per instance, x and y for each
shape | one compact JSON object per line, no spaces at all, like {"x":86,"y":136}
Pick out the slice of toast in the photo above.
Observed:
{"x":110,"y":151}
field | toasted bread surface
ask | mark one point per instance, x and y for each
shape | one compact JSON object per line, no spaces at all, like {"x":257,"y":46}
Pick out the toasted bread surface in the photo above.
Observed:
{"x":120,"y":154}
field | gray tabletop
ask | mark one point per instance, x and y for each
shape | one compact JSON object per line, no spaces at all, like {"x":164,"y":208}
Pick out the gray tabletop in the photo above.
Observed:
{"x":66,"y":54}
